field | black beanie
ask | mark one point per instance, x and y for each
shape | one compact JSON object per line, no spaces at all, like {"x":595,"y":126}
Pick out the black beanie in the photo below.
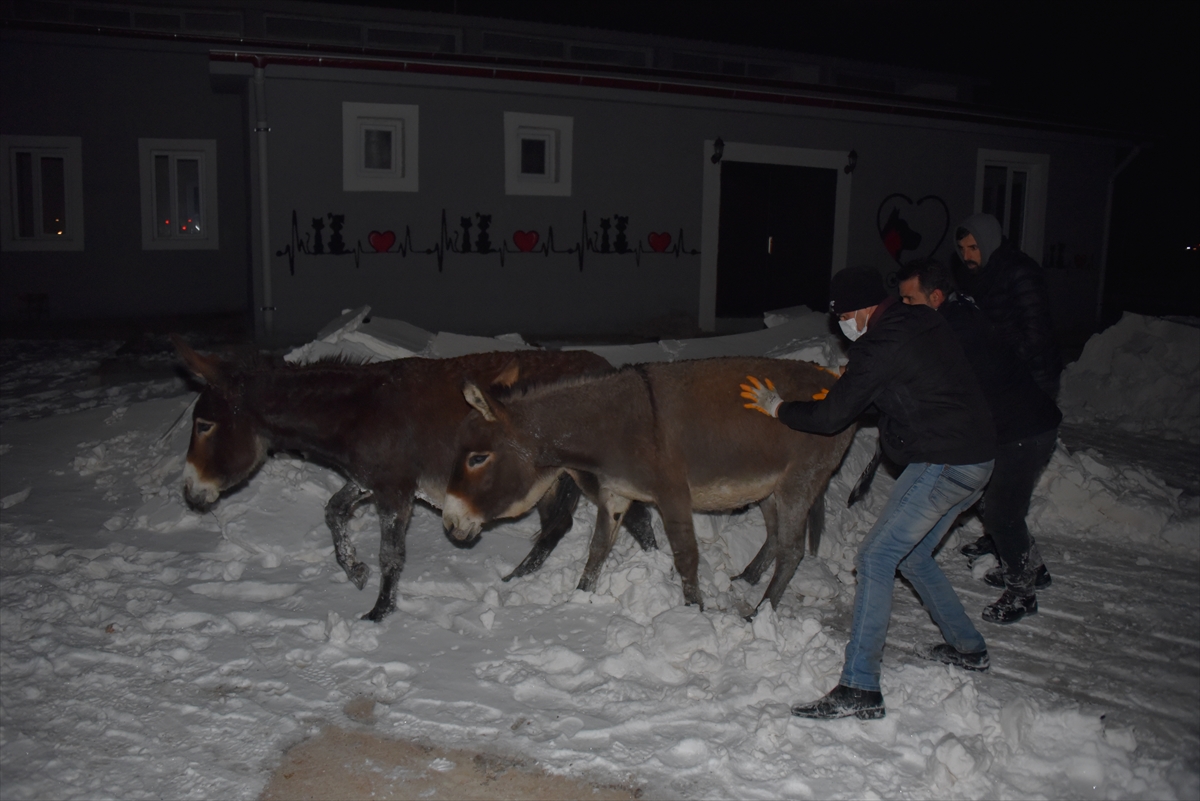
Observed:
{"x":855,"y":288}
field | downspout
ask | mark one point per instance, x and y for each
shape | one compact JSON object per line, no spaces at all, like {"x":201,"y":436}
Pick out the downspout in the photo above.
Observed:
{"x":261,"y":129}
{"x":1108,"y":200}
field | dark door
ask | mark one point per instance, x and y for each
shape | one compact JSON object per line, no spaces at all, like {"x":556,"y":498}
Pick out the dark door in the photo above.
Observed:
{"x":776,"y":237}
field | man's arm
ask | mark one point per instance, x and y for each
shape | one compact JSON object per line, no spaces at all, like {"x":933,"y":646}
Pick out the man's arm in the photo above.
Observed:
{"x":849,"y":397}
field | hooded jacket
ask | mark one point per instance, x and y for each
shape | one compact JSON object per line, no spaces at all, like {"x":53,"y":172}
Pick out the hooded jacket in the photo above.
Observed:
{"x":1011,"y":290}
{"x":1019,"y":407}
{"x":910,"y":366}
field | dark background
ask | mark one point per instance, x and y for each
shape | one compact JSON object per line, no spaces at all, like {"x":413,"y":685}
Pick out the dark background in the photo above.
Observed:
{"x":1129,"y":68}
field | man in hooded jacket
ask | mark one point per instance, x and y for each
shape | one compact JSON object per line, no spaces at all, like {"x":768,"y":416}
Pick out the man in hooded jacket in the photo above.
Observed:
{"x":1010,"y":288}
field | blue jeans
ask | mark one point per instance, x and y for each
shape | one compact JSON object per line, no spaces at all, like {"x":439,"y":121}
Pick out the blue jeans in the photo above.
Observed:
{"x":924,"y":504}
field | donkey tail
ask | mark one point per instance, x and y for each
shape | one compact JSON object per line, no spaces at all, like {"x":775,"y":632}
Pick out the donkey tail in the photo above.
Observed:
{"x":816,"y":523}
{"x":868,"y":475}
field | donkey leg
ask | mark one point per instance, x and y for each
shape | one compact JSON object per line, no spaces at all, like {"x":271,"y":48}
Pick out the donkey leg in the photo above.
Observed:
{"x":766,"y":554}
{"x":556,"y":510}
{"x":676,"y":513}
{"x":610,"y":510}
{"x":394,"y":515}
{"x":337,"y":515}
{"x":793,"y":500}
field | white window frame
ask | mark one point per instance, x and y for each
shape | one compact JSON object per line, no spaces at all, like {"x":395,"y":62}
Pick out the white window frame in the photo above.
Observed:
{"x":558,"y":133}
{"x":206,"y":151}
{"x":403,"y":121}
{"x":1037,"y":169}
{"x":70,"y":149}
{"x":710,"y":216}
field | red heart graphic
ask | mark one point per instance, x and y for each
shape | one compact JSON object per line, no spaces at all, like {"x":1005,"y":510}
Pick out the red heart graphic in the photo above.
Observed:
{"x":525,"y":240}
{"x":659,"y":242}
{"x":382,"y":241}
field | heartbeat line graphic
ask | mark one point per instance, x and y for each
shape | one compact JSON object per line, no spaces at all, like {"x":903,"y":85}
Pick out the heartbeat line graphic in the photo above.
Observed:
{"x":313,"y":242}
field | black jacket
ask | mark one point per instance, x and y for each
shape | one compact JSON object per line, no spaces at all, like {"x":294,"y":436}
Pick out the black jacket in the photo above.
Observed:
{"x":1011,"y":290}
{"x":1019,"y":407}
{"x":910,"y":366}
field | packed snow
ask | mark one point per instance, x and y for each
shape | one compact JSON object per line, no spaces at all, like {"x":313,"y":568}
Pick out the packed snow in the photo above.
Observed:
{"x":147,"y":651}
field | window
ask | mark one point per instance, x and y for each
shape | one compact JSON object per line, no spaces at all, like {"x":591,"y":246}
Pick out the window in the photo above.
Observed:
{"x":1012,"y":188}
{"x":537,"y":154}
{"x":41,"y":200}
{"x":379,"y":147}
{"x":179,"y":194}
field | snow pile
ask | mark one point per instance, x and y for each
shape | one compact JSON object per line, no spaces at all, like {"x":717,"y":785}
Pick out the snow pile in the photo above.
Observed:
{"x":1081,"y":491}
{"x":151,"y":652}
{"x":1140,"y":375}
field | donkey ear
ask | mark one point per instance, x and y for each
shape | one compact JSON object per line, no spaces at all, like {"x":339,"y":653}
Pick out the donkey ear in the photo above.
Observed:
{"x":206,"y":368}
{"x":480,"y":401}
{"x":509,"y":375}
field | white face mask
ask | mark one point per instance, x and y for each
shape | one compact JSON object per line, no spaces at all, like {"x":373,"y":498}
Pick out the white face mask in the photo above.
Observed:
{"x":850,"y":329}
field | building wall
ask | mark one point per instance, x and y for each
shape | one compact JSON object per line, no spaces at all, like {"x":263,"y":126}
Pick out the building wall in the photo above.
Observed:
{"x":110,"y":94}
{"x":637,"y":154}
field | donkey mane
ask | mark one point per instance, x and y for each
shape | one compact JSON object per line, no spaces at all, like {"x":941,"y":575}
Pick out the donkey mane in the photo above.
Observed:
{"x":536,"y":390}
{"x":533,"y":391}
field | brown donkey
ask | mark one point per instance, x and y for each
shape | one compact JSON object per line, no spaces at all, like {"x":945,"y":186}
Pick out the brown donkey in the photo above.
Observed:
{"x":388,"y":428}
{"x":675,"y":435}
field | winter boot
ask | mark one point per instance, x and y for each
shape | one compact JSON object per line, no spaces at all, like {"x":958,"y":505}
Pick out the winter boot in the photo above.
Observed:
{"x":995,"y":578}
{"x":842,"y":702}
{"x":1030,"y":576}
{"x":949,"y":655}
{"x":978,"y":548}
{"x":1012,"y":606}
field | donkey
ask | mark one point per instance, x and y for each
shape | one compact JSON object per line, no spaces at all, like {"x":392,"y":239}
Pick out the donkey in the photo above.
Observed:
{"x":387,"y":427}
{"x":671,"y":434}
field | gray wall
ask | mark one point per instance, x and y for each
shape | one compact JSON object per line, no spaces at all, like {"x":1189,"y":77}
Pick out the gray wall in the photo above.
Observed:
{"x":637,"y":154}
{"x":110,"y":94}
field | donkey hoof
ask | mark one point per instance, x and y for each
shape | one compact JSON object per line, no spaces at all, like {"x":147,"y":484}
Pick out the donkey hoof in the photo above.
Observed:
{"x":358,"y":575}
{"x":379,"y":612}
{"x":748,"y":577}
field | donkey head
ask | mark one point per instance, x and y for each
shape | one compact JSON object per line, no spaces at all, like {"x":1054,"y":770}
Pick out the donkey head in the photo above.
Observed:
{"x":225,"y":447}
{"x":494,"y":474}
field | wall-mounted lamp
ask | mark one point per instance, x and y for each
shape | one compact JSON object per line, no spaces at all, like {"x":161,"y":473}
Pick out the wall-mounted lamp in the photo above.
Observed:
{"x":852,"y":163}
{"x":718,"y":150}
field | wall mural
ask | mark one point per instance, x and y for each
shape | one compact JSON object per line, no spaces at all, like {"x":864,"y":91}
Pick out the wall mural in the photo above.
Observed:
{"x":902,"y":233}
{"x":473,"y":235}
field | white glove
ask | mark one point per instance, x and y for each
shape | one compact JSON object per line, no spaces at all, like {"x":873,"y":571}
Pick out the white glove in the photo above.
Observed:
{"x":765,"y":399}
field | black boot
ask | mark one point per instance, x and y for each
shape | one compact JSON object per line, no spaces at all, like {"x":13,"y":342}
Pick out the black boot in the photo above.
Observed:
{"x":842,"y":702}
{"x":1012,"y":606}
{"x":1031,"y":574}
{"x":978,"y":548}
{"x":949,"y":655}
{"x":995,"y":578}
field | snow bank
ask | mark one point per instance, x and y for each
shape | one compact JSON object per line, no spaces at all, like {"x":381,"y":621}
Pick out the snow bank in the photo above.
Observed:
{"x":1084,"y":491}
{"x":151,"y":652}
{"x":804,"y":336}
{"x":1141,"y":375}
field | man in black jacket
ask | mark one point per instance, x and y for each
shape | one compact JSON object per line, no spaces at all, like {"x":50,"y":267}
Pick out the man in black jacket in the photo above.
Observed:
{"x":934,"y":419}
{"x":1026,"y":432}
{"x":1010,"y":288}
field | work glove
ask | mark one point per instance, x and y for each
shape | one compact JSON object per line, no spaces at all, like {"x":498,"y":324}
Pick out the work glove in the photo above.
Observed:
{"x":765,"y":399}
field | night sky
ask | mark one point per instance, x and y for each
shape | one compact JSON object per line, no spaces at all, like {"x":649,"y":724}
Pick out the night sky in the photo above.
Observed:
{"x":1128,"y":68}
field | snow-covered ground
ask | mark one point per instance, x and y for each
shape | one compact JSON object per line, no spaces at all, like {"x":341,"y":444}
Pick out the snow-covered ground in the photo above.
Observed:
{"x":150,"y":652}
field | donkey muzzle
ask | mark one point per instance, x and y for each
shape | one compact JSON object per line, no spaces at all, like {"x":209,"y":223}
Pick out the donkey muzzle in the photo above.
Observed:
{"x":462,"y":523}
{"x":199,"y":493}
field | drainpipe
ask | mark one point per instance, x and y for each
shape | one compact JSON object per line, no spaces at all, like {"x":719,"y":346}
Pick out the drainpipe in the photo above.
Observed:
{"x":1112,"y":180}
{"x":261,"y":129}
